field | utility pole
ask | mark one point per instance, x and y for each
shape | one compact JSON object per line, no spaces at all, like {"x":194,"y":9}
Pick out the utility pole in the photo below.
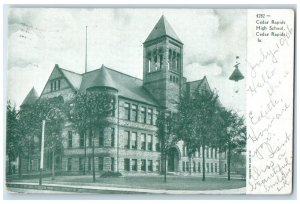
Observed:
{"x":42,"y":153}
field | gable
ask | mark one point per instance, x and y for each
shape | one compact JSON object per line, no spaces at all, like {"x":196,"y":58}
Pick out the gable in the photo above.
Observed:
{"x":56,"y":82}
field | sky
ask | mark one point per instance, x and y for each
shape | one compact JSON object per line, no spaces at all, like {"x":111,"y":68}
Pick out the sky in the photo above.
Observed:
{"x":40,"y":38}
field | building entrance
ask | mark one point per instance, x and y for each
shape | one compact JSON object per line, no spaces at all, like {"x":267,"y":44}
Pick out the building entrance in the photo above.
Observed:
{"x":173,"y":160}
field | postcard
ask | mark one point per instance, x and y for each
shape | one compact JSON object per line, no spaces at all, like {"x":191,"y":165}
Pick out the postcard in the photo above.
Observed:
{"x":149,"y":101}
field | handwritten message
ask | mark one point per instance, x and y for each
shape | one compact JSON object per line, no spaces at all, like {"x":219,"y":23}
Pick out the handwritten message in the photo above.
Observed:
{"x":270,"y":64}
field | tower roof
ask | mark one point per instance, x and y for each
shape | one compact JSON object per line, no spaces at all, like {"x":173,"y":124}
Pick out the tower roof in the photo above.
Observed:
{"x":31,"y":97}
{"x":162,"y":28}
{"x":99,"y":78}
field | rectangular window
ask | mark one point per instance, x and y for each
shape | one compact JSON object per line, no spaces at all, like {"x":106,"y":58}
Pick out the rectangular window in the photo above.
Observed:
{"x":183,"y":166}
{"x":211,"y":167}
{"x":216,"y":153}
{"x":81,"y":164}
{"x":112,"y":164}
{"x":207,"y":152}
{"x":51,"y":86}
{"x":157,"y":145}
{"x":127,"y":140}
{"x":134,"y":113}
{"x":127,"y":164}
{"x":149,"y":142}
{"x":143,"y":114}
{"x":150,"y":165}
{"x":89,"y":163}
{"x":187,"y":166}
{"x":69,"y":165}
{"x":150,"y":116}
{"x":207,"y":167}
{"x":54,"y":85}
{"x":100,"y":163}
{"x":155,"y":61}
{"x":81,"y":140}
{"x":169,"y":60}
{"x":113,"y":105}
{"x":157,"y":165}
{"x":211,"y":153}
{"x":216,"y":167}
{"x":134,"y":140}
{"x":143,"y":141}
{"x":127,"y":111}
{"x":194,"y":166}
{"x":199,"y":166}
{"x":112,"y":137}
{"x":58,"y":84}
{"x":101,"y":137}
{"x":70,"y":139}
{"x":160,"y":61}
{"x":90,"y":138}
{"x":149,"y":64}
{"x":143,"y":165}
{"x":134,"y":165}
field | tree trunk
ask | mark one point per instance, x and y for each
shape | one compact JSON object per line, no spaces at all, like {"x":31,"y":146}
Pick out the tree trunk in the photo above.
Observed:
{"x":84,"y":161}
{"x":20,"y":166}
{"x":9,"y":165}
{"x":93,"y":160}
{"x":203,"y":162}
{"x":28,"y":166}
{"x":228,"y":161}
{"x":53,"y":163}
{"x":165,"y":171}
{"x":190,"y":164}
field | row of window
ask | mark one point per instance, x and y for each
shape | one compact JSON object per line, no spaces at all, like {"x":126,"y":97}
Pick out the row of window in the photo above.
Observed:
{"x":155,"y":63}
{"x":89,"y":139}
{"x":55,"y":85}
{"x":131,"y":113}
{"x":174,"y":79}
{"x":210,"y":167}
{"x":89,"y":164}
{"x":132,"y":165}
{"x":131,"y":141}
{"x":209,"y":152}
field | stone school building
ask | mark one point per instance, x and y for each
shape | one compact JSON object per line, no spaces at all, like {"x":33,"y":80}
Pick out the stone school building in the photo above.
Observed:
{"x":130,"y":144}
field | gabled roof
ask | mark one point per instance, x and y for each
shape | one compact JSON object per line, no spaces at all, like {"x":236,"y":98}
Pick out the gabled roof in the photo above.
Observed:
{"x":127,"y":86}
{"x":191,"y":86}
{"x":162,"y":28}
{"x":203,"y":84}
{"x":72,"y":77}
{"x":31,"y":97}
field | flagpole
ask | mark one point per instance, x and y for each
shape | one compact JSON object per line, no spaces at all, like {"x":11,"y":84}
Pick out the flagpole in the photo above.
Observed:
{"x":42,"y":153}
{"x":85,"y":49}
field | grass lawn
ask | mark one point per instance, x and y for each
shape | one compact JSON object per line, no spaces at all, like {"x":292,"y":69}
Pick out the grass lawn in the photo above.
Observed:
{"x":151,"y":182}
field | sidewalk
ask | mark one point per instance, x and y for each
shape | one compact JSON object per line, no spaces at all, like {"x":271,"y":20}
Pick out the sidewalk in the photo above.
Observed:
{"x":116,"y":190}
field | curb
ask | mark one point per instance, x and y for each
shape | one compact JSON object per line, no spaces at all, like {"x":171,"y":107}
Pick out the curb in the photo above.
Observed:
{"x":117,"y":190}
